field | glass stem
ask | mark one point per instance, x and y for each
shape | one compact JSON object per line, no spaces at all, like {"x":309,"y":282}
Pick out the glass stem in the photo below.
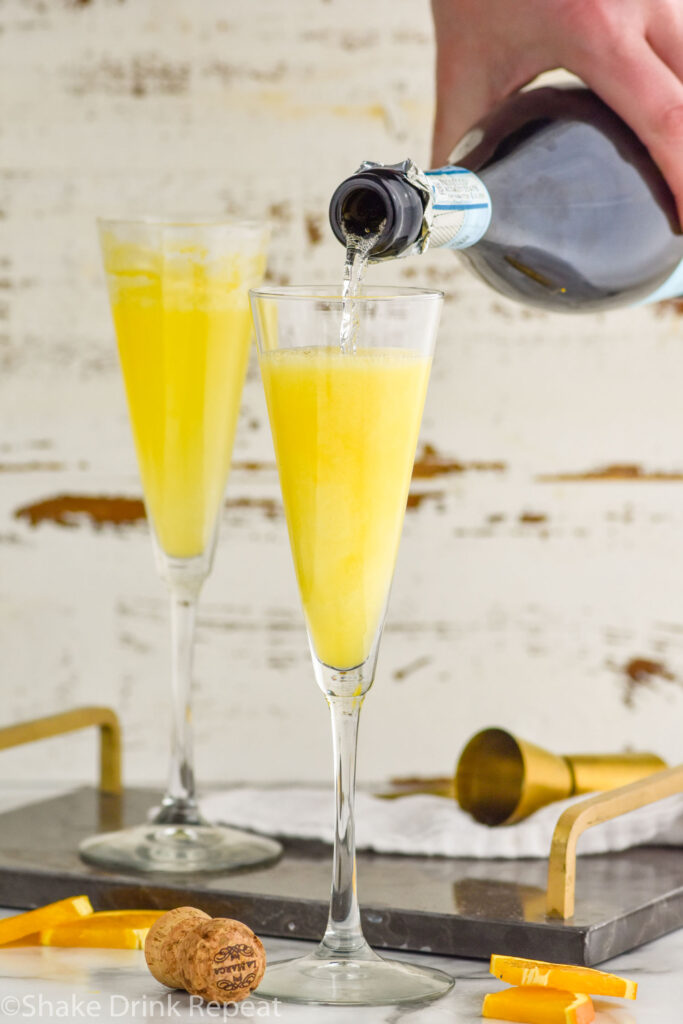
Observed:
{"x":343,"y":933}
{"x":179,"y":806}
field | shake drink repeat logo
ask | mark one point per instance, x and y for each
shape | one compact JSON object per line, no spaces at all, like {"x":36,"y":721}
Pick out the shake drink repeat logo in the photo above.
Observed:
{"x":115,"y":1006}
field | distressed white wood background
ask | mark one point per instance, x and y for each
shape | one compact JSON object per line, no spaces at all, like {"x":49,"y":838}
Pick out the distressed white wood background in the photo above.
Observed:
{"x":540,"y":579}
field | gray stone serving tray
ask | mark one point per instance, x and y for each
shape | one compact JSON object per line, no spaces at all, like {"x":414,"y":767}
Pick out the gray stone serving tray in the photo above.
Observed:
{"x":468,"y":908}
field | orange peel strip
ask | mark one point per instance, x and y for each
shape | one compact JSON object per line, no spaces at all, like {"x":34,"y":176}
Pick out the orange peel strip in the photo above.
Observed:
{"x":20,"y":925}
{"x":532,"y":1004}
{"x":110,"y":929}
{"x":27,"y":940}
{"x":519,"y":971}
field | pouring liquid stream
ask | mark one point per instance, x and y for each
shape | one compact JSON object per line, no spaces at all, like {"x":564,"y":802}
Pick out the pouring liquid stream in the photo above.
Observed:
{"x":358,"y":249}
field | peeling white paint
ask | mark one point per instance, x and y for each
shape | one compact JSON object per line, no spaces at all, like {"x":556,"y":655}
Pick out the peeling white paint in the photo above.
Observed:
{"x":516,"y":601}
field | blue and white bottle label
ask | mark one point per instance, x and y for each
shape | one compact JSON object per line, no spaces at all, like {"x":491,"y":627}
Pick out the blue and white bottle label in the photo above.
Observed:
{"x":460,"y":210}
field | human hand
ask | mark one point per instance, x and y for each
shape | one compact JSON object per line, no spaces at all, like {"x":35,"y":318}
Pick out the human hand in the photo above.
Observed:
{"x":630,"y":52}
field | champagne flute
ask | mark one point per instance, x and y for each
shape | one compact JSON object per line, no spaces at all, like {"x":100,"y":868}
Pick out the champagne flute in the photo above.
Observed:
{"x":179,"y":299}
{"x":345,"y":424}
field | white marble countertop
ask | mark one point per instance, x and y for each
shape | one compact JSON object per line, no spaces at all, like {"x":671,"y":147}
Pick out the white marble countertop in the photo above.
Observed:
{"x":113,"y":985}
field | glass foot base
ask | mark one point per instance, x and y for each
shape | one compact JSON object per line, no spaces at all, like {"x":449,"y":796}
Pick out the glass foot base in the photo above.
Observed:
{"x":360,"y":978}
{"x":176,"y":848}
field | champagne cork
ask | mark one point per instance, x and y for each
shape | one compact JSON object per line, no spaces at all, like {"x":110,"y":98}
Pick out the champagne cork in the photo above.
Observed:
{"x":163,"y":942}
{"x":219,"y":959}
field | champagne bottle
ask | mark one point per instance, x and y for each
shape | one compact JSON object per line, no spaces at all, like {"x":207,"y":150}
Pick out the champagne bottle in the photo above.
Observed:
{"x":552,"y":200}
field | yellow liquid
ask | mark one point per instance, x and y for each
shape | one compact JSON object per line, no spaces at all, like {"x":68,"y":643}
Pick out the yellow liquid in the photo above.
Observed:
{"x":183,"y":338}
{"x":345,"y":428}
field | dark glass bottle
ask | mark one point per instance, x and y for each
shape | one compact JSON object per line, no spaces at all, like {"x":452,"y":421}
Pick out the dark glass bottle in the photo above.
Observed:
{"x":552,"y":200}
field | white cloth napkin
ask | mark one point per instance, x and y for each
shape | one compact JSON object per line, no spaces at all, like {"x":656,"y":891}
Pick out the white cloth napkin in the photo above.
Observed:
{"x":433,"y":825}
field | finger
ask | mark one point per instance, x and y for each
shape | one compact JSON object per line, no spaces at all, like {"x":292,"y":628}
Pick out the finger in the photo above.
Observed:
{"x":455,"y":116}
{"x":475,"y":69}
{"x":665,"y":36}
{"x":467,"y":88}
{"x":450,"y":119}
{"x":484,"y":52}
{"x":633,"y":80}
{"x":460,"y":82}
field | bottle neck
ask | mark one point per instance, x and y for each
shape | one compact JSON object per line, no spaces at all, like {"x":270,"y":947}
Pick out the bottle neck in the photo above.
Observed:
{"x":409,"y":209}
{"x":383,"y":201}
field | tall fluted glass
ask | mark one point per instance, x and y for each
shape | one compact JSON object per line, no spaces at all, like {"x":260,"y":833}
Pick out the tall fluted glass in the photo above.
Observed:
{"x":345,"y":424}
{"x":179,"y":300}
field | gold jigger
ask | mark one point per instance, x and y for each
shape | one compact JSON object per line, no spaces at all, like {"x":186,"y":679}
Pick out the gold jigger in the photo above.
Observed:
{"x":501,"y":779}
